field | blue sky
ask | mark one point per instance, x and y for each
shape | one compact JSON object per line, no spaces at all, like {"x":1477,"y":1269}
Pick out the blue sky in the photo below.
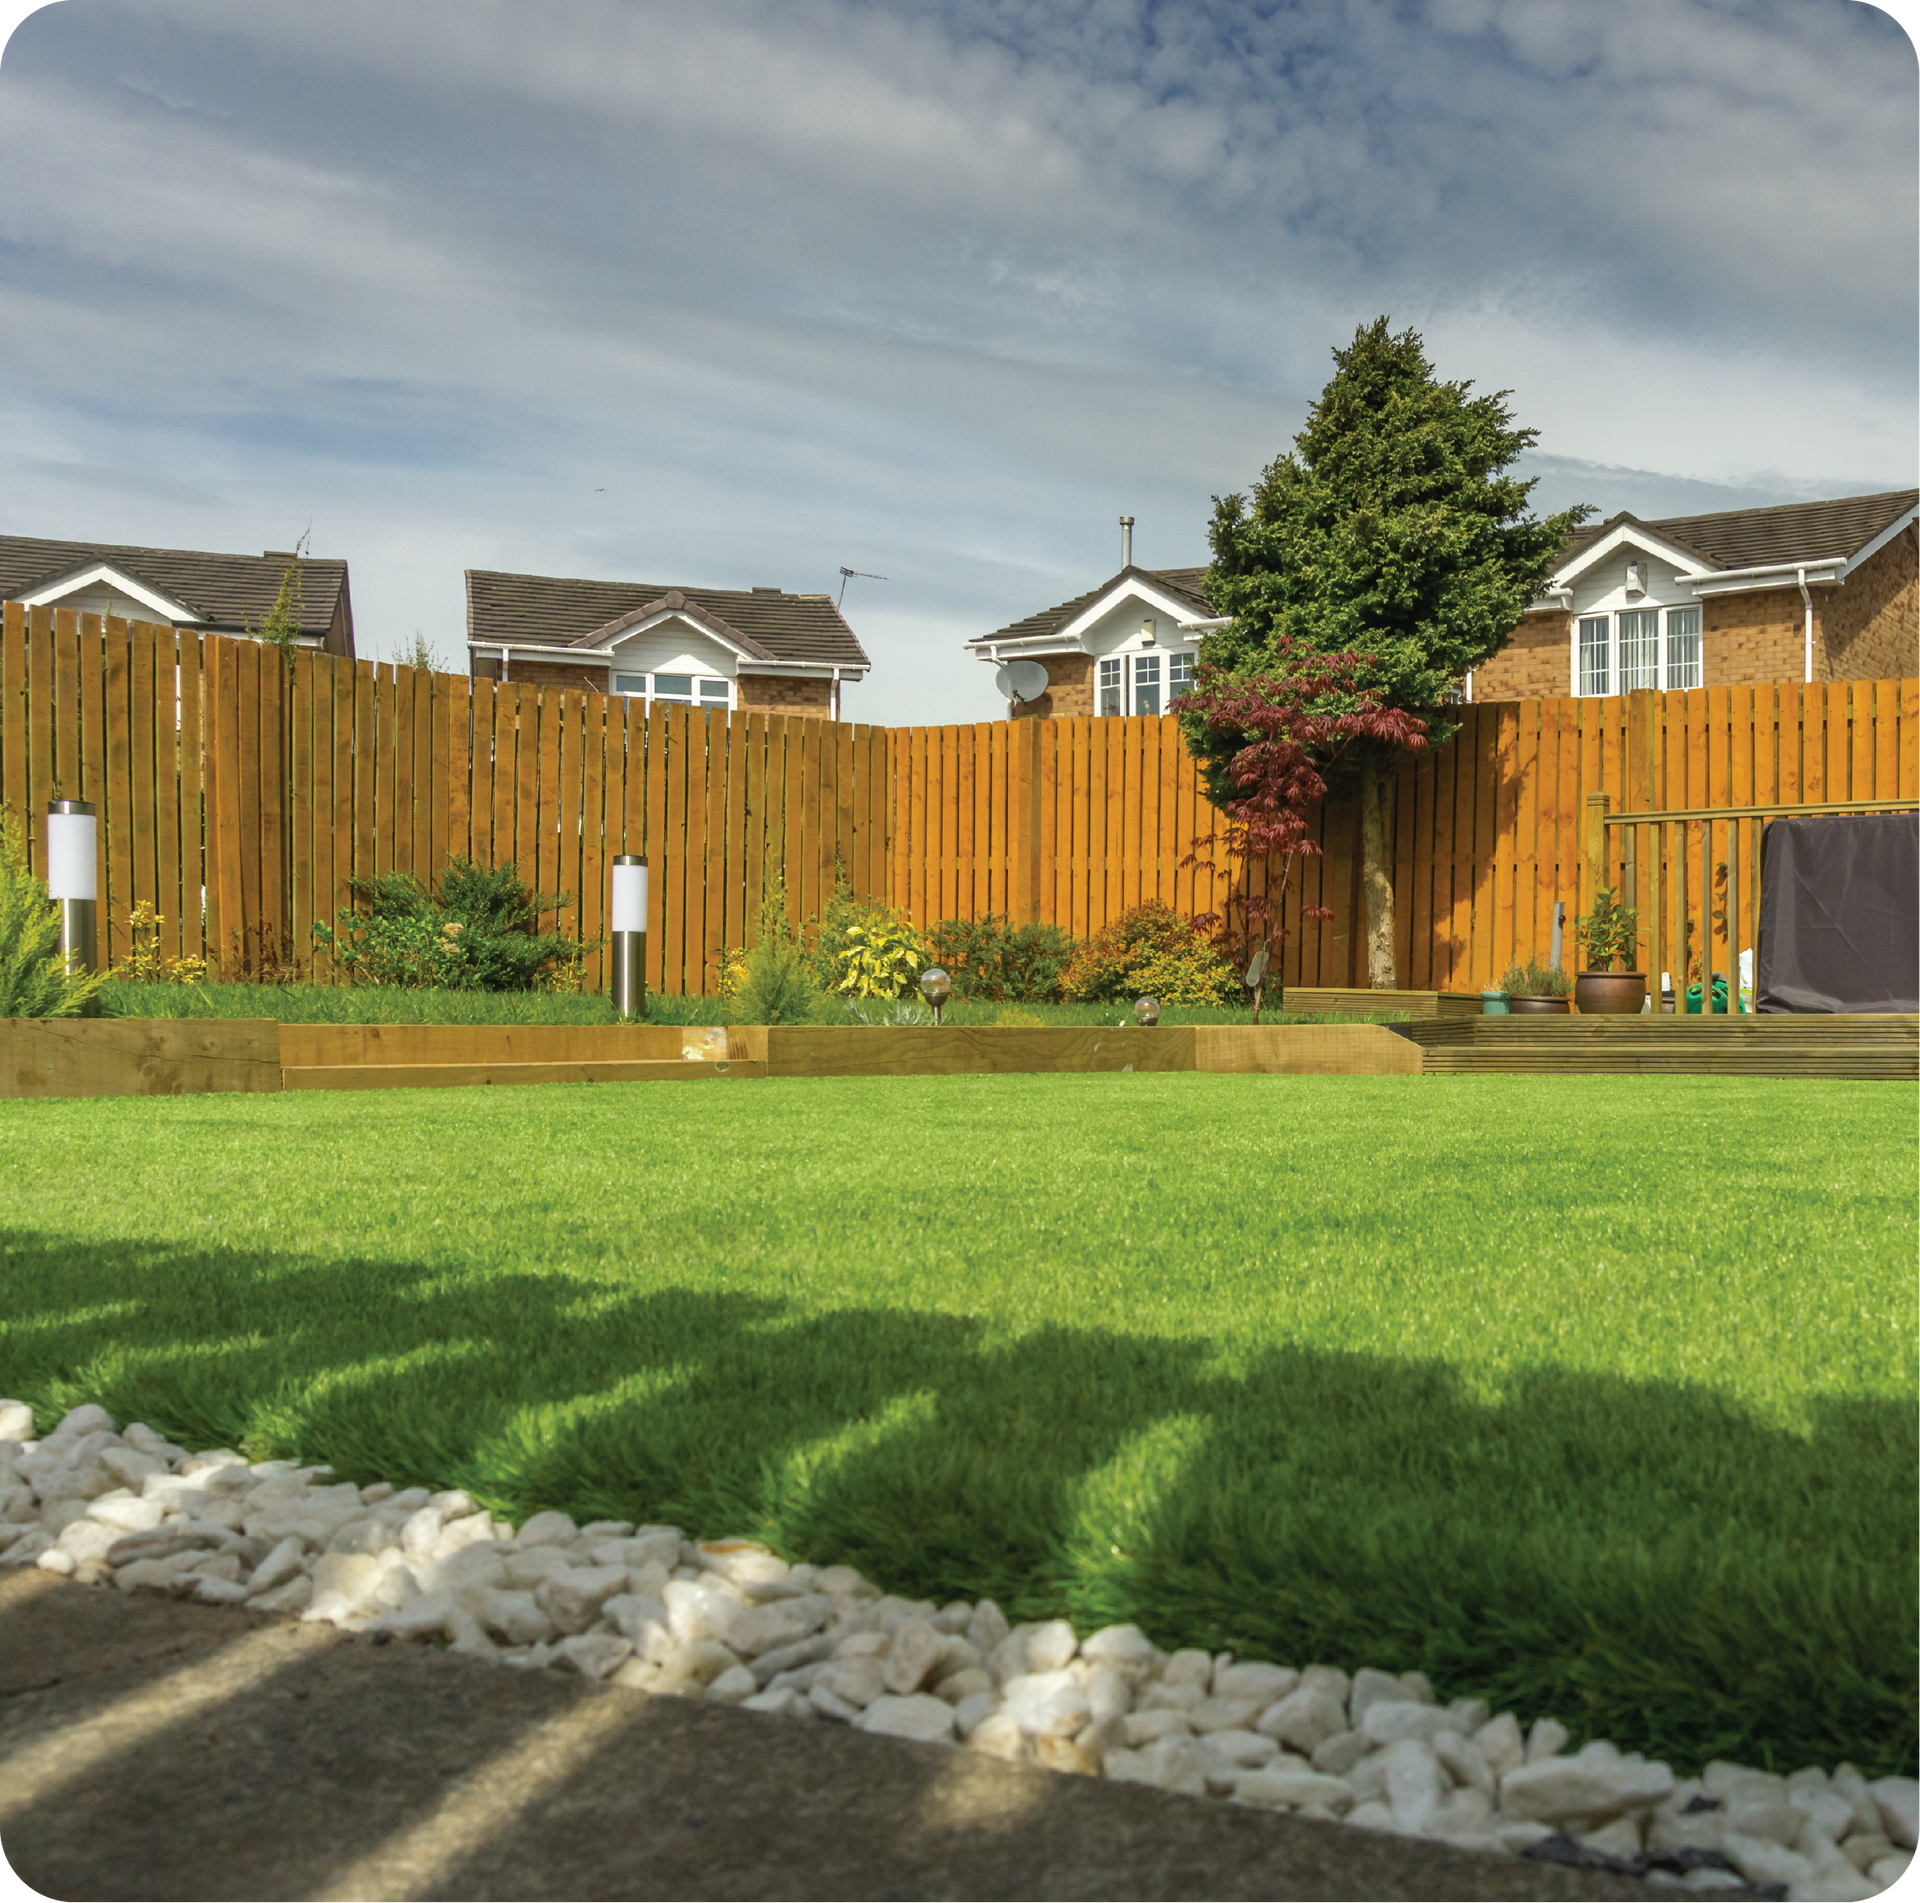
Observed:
{"x":737,"y":293}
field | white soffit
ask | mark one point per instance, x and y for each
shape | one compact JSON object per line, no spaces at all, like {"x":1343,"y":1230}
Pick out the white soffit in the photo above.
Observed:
{"x":93,"y":576}
{"x":1861,"y":556}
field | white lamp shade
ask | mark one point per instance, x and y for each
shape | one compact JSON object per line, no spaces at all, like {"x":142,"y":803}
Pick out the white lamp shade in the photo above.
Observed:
{"x":629,"y":899}
{"x":72,"y":869}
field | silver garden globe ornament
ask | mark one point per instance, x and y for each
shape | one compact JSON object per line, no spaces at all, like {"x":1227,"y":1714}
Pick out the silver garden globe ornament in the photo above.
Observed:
{"x":936,"y":987}
{"x":1147,"y":1010}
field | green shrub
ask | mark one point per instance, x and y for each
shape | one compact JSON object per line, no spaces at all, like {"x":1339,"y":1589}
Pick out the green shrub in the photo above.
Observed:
{"x":883,"y":959}
{"x":1150,"y":951}
{"x":995,"y":959}
{"x":478,"y":932}
{"x":34,"y":980}
{"x":776,"y":985}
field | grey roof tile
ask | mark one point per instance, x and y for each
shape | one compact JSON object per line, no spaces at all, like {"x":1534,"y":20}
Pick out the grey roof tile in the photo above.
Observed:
{"x":227,"y":592}
{"x":559,"y":611}
{"x":1188,"y":584}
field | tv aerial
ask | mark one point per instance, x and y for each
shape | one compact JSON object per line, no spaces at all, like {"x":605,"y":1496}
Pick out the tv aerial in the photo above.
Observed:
{"x":1022,"y":681}
{"x":854,"y":574}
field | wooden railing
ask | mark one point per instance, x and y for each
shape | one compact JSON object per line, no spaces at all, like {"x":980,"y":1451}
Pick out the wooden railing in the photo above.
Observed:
{"x":1698,"y":867}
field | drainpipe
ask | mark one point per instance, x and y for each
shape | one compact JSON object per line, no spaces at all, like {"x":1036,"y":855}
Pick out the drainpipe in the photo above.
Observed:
{"x":1808,"y":599}
{"x":836,"y":693}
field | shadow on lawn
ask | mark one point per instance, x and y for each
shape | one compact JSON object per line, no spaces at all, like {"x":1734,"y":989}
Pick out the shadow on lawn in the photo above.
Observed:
{"x":1642,"y":1560}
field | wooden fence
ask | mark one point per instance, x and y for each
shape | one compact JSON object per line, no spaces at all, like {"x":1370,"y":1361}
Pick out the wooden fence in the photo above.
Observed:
{"x":239,"y":795}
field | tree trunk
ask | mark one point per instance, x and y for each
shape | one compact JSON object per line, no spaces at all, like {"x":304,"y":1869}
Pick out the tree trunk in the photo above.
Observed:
{"x":1376,"y":875}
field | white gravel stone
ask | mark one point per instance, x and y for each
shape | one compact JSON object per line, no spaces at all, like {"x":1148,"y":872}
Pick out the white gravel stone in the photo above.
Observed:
{"x":1047,"y":1704}
{"x":917,"y":1715}
{"x":1303,"y":1718}
{"x":1050,"y":1646}
{"x":731,"y":1622}
{"x":1898,"y":1799}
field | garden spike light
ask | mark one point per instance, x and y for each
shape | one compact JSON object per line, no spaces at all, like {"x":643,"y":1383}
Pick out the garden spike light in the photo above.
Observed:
{"x":936,"y":987}
{"x":73,"y":879}
{"x":627,"y":929}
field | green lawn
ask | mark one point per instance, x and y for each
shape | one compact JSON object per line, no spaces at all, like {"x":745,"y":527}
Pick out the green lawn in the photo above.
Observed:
{"x":1595,"y":1395}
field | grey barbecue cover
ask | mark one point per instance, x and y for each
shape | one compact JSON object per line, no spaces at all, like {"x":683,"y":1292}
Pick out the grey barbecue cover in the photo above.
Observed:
{"x":1840,"y":914}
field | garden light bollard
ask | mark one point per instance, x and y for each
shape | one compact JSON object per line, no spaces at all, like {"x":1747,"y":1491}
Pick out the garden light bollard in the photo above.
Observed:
{"x":73,"y":879}
{"x":937,"y":988}
{"x":1147,"y":1010}
{"x":627,"y":927}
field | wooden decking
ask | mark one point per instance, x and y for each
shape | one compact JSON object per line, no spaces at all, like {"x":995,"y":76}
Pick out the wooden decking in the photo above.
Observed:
{"x":1876,"y":1047}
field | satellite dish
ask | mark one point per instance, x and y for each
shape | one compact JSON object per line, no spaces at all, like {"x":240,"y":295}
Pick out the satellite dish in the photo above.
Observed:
{"x":1021,"y":680}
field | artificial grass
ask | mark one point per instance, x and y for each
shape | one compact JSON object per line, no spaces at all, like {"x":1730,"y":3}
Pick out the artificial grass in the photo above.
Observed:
{"x":344,"y":1004}
{"x":1594,"y":1395}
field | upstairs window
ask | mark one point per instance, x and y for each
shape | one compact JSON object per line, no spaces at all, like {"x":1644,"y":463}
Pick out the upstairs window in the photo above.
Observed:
{"x":1593,"y":655}
{"x":1180,"y":675}
{"x":1683,"y":647}
{"x":1146,"y":683}
{"x":1639,"y":649}
{"x":677,"y":690}
{"x":1111,"y":691}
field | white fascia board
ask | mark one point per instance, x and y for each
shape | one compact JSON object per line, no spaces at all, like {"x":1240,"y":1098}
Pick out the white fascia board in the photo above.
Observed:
{"x":1074,"y":633}
{"x":163,"y":605}
{"x":812,"y":670}
{"x":586,"y":657}
{"x":1628,"y":534}
{"x":1741,"y":581}
{"x":1861,"y":556}
{"x":987,"y":646}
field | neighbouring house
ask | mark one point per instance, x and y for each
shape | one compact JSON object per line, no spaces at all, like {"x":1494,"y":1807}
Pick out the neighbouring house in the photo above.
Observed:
{"x":1127,"y":647}
{"x":1807,"y":591}
{"x":729,"y":648}
{"x":183,"y":588}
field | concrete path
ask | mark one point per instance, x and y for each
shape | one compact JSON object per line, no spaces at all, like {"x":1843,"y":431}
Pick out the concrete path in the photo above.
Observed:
{"x":155,"y":1749}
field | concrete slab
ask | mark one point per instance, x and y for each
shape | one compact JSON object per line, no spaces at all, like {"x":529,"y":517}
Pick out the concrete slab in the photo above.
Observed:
{"x":150,"y":1749}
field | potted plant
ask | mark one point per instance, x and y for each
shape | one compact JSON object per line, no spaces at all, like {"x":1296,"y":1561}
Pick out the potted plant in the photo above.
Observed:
{"x":1535,"y":987}
{"x":1609,"y":934}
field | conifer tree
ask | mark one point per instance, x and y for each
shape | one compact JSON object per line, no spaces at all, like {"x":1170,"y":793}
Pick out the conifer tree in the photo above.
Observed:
{"x":1391,"y":531}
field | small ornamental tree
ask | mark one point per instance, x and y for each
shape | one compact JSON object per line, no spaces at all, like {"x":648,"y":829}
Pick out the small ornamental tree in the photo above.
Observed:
{"x":1275,"y":737}
{"x":1391,"y":531}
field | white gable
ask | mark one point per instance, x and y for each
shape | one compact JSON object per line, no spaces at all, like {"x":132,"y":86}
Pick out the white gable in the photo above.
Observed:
{"x":671,"y":644}
{"x":101,"y":589}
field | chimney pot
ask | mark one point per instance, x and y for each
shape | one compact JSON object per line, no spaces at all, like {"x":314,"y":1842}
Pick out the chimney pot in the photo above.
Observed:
{"x":1126,"y":541}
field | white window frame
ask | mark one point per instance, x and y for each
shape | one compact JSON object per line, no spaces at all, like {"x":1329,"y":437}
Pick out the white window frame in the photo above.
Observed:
{"x":1127,"y":675}
{"x":1641,"y":632}
{"x":697,"y":696}
{"x":1147,"y":665}
{"x":1183,"y":667}
{"x":1603,"y":648}
{"x":1670,"y":666}
{"x":1110,"y":677}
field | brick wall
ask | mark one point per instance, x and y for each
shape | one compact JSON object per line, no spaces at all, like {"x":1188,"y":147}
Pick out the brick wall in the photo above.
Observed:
{"x":523,"y":670}
{"x":1069,"y":689}
{"x":786,"y":694}
{"x":1757,"y":636}
{"x":1532,"y":666}
{"x":1870,"y":627}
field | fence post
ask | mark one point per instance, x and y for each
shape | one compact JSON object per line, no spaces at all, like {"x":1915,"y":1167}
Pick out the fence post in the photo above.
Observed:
{"x":1023,"y":748}
{"x":1596,"y":845}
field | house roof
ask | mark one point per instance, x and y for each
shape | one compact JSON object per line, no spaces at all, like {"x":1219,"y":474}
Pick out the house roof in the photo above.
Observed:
{"x":558,"y":611}
{"x":1754,"y":538}
{"x":222,"y":591}
{"x":1184,"y":584}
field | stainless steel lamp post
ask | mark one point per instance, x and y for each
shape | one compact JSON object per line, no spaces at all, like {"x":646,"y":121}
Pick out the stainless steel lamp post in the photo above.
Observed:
{"x":628,"y":929}
{"x":73,"y":880}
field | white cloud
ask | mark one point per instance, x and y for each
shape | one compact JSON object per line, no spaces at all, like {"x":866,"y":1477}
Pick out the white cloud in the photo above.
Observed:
{"x":938,"y":291}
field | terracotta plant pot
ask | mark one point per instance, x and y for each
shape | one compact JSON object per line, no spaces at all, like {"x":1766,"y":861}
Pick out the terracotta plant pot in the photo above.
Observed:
{"x":1614,"y":994}
{"x":1519,"y":1005}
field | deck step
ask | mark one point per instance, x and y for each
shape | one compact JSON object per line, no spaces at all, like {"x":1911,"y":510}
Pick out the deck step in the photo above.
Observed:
{"x":1869,"y":1047}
